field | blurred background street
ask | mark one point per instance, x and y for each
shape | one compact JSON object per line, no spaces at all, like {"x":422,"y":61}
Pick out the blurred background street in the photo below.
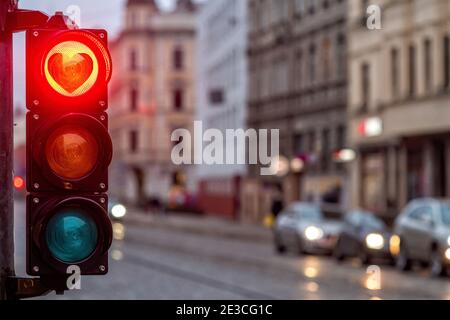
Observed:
{"x":179,"y":257}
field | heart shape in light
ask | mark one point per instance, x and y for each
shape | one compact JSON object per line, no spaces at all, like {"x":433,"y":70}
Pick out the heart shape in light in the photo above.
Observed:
{"x":70,"y":72}
{"x":71,"y":68}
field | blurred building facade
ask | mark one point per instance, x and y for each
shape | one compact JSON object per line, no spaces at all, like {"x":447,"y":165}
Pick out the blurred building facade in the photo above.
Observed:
{"x":153,"y":93}
{"x":298,"y":84}
{"x":399,"y":103}
{"x":222,"y":96}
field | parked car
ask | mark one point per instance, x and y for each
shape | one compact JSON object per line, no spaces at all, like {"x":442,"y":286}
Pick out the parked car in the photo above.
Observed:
{"x":305,"y":228}
{"x":364,"y":236}
{"x":423,"y":229}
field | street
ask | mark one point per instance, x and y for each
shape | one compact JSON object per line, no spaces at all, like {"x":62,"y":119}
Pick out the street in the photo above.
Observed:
{"x":169,"y":261}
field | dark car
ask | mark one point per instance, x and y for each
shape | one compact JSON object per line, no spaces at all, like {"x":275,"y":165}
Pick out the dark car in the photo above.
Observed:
{"x":423,"y":229}
{"x":305,"y":228}
{"x":364,"y":236}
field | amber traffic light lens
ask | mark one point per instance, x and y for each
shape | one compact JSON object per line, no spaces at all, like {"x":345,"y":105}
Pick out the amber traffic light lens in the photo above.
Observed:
{"x":71,"y":152}
{"x":71,"y":68}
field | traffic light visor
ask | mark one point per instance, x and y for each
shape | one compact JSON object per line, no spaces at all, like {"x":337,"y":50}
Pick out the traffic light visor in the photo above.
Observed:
{"x":71,"y":68}
{"x":72,"y":152}
{"x":71,"y":235}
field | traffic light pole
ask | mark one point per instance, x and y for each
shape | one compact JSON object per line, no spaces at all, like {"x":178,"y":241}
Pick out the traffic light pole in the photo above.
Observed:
{"x":6,"y":150}
{"x":13,"y":20}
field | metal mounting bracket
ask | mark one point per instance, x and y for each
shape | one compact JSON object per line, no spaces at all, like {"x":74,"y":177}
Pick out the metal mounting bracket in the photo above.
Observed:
{"x":25,"y":288}
{"x":21,"y":20}
{"x":18,"y":20}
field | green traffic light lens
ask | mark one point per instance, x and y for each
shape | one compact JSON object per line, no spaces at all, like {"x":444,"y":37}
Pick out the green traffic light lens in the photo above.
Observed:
{"x":71,"y":236}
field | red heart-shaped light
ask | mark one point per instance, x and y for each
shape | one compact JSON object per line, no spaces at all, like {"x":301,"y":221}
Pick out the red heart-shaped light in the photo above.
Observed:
{"x":70,"y":72}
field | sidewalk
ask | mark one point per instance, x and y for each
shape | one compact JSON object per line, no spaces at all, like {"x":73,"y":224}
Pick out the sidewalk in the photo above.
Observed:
{"x":205,"y":225}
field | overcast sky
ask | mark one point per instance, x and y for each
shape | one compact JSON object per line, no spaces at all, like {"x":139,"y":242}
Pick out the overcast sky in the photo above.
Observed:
{"x":94,"y":14}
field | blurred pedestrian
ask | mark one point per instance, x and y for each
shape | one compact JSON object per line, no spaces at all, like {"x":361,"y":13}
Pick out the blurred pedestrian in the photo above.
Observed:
{"x":153,"y":205}
{"x":333,"y":196}
{"x":277,"y":201}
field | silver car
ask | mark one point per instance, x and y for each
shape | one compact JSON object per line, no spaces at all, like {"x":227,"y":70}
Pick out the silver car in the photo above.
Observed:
{"x":423,"y":231}
{"x":304,"y":228}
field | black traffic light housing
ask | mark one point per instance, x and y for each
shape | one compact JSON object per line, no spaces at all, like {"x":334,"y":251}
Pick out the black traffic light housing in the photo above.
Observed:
{"x":40,"y":208}
{"x":69,"y":150}
{"x":40,"y":177}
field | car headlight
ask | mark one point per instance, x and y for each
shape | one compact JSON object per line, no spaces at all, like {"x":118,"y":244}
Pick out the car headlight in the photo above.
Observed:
{"x":375,"y":241}
{"x":313,"y":233}
{"x":118,"y":211}
{"x":447,"y":254}
{"x":448,"y":241}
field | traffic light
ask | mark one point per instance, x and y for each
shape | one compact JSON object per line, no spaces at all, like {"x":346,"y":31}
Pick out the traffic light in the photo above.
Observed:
{"x":19,"y":183}
{"x":68,"y":151}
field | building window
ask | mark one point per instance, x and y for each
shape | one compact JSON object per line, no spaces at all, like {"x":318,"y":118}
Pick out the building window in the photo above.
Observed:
{"x":298,"y":70}
{"x":364,"y":15}
{"x":341,"y":143}
{"x":326,"y":60}
{"x":412,"y":70}
{"x":134,"y":99}
{"x":133,"y":60}
{"x":178,"y":99}
{"x":364,"y":6}
{"x":427,"y":65}
{"x":298,"y":144}
{"x":341,"y":137}
{"x":312,"y":142}
{"x":216,"y":97}
{"x":312,"y":63}
{"x":254,"y":17}
{"x":178,"y":59}
{"x":266,"y":13}
{"x":281,"y":11}
{"x":325,"y":158}
{"x":279,"y":76}
{"x":133,"y":20}
{"x":446,"y":61}
{"x":312,"y":7}
{"x":134,"y":142}
{"x":365,"y":86}
{"x":300,"y":7}
{"x":341,"y":67}
{"x":395,"y":63}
